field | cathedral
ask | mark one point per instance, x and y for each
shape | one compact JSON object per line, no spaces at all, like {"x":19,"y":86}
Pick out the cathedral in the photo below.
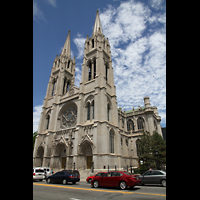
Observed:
{"x":82,"y":126}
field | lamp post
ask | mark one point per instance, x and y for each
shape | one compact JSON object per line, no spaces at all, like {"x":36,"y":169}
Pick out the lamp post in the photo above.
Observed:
{"x":156,"y":151}
{"x":141,"y":163}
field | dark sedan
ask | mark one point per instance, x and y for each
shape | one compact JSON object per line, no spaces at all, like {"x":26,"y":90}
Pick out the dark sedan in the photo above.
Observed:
{"x":64,"y":177}
{"x":153,"y":177}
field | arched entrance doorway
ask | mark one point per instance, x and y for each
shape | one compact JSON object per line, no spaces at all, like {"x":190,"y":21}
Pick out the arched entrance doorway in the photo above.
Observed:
{"x":40,"y":154}
{"x":60,"y":155}
{"x":86,"y":151}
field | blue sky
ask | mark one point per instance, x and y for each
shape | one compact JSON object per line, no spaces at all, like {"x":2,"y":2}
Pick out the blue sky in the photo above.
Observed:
{"x":136,"y":30}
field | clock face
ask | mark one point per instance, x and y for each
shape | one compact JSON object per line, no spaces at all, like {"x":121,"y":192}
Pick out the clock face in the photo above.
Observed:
{"x":69,"y":117}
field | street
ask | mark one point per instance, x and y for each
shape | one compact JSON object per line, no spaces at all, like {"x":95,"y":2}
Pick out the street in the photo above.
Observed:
{"x":82,"y":190}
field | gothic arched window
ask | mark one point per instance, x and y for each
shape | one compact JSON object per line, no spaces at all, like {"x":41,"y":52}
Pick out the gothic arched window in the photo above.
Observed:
{"x":53,"y":89}
{"x":94,"y":68}
{"x":88,"y":44}
{"x":90,"y":71}
{"x":111,"y":141}
{"x":88,"y":111}
{"x":47,"y":119}
{"x":140,"y":123}
{"x":68,"y":84}
{"x":58,"y":63}
{"x":130,"y":125}
{"x":106,"y":72}
{"x":108,"y":111}
{"x":68,"y":63}
{"x":92,"y":104}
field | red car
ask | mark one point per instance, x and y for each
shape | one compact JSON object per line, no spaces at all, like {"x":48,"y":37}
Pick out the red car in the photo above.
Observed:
{"x":119,"y":179}
{"x":89,"y":178}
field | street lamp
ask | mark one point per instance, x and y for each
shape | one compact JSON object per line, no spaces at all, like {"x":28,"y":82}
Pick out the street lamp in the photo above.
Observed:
{"x":156,"y":151}
{"x":141,"y":163}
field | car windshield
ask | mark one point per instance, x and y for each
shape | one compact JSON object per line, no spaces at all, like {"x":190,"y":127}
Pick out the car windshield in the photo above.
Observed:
{"x":39,"y":170}
{"x":71,"y":173}
{"x":127,"y":173}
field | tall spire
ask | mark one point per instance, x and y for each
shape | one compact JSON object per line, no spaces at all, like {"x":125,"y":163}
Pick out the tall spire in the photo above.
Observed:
{"x":66,"y":49}
{"x":97,"y":25}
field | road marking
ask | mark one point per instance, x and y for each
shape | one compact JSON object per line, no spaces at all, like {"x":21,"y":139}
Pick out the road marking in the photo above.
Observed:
{"x":77,"y":188}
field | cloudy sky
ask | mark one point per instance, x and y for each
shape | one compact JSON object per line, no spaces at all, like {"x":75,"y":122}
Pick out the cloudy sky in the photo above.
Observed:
{"x":136,"y":30}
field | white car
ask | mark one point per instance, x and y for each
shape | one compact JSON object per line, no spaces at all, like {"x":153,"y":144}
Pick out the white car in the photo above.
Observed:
{"x":47,"y":171}
{"x":38,"y":173}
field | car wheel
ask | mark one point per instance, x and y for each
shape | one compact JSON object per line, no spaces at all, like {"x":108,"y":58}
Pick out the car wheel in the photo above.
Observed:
{"x":48,"y":180}
{"x":64,"y":181}
{"x":163,"y":182}
{"x":96,"y":184}
{"x":122,"y":185}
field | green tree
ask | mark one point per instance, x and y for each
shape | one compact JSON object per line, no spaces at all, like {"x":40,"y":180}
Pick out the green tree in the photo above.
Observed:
{"x":34,"y":136}
{"x":158,"y":144}
{"x":147,"y":145}
{"x":144,"y":150}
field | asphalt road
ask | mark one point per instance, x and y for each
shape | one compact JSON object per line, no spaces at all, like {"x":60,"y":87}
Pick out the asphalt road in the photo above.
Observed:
{"x":83,"y":191}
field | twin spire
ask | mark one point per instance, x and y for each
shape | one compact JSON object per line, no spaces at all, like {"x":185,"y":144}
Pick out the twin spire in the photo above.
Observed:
{"x":97,"y":25}
{"x":66,"y":49}
{"x":97,"y":29}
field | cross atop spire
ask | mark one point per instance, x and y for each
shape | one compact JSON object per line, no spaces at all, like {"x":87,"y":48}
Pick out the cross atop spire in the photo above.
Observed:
{"x":66,"y":49}
{"x":97,"y":25}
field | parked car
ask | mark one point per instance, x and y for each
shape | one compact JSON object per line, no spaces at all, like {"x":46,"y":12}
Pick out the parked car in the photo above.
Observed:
{"x":64,"y":177}
{"x":153,"y":177}
{"x":89,"y":178}
{"x":38,"y":174}
{"x":119,"y":179}
{"x":47,"y":172}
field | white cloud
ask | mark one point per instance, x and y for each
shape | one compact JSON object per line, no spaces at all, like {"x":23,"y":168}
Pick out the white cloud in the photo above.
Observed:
{"x":36,"y":117}
{"x":156,"y":4}
{"x":137,"y":37}
{"x":78,"y":74}
{"x":52,"y":2}
{"x":37,"y":12}
{"x":80,"y":43}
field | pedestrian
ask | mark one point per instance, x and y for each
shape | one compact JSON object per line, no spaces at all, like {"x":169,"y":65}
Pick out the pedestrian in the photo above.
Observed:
{"x":150,"y":169}
{"x":52,"y":171}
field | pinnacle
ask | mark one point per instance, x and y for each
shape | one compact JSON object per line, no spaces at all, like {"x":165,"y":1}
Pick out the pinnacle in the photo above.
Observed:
{"x":97,"y":25}
{"x":66,"y":49}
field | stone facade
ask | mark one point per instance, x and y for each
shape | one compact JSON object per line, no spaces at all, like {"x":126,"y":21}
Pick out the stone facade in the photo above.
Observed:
{"x":84,"y":125}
